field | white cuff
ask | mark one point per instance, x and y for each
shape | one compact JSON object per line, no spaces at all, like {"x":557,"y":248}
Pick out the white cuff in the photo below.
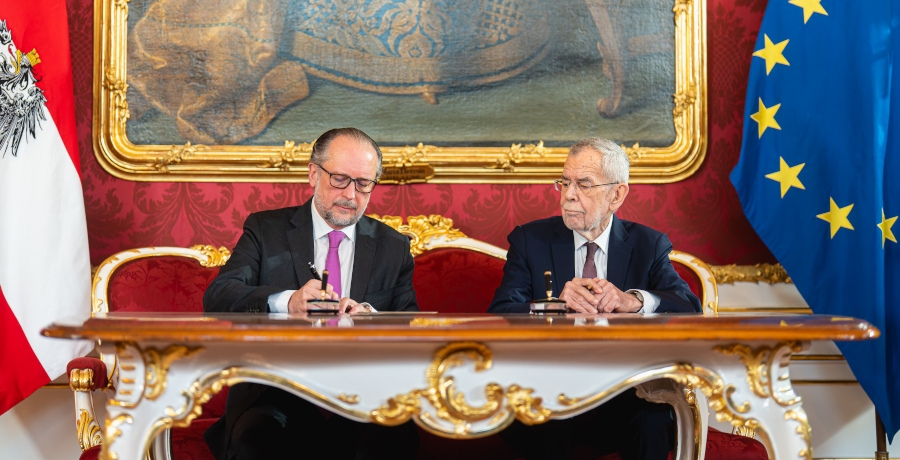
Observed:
{"x":651,"y":301}
{"x":278,"y":303}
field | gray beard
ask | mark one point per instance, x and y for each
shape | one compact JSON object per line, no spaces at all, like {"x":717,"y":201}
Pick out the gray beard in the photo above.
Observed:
{"x":334,"y":220}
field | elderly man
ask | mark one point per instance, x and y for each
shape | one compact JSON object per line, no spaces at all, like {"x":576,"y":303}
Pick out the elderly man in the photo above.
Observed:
{"x":370,"y":269}
{"x":603,"y":265}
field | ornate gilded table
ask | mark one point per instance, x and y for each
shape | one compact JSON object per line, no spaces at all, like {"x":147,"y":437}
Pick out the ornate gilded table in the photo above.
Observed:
{"x":464,"y":376}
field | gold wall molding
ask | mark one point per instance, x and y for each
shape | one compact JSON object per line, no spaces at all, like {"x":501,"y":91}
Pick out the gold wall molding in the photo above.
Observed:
{"x":520,"y":163}
{"x":763,"y":272}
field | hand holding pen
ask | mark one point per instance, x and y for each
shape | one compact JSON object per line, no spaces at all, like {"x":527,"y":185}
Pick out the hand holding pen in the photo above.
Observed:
{"x":314,"y":290}
{"x":323,"y":278}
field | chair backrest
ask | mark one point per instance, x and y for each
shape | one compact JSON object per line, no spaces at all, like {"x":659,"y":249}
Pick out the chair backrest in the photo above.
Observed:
{"x":699,"y":277}
{"x":454,"y":273}
{"x":170,"y":279}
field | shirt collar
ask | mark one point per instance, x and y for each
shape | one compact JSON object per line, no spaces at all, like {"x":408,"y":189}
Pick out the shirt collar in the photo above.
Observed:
{"x":321,"y":228}
{"x":602,"y":241}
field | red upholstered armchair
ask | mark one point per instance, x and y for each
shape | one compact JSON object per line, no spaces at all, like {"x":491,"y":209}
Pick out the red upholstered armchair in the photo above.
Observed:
{"x":147,"y":279}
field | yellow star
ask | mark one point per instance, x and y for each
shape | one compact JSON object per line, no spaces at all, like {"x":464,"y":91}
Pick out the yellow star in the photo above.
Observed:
{"x":809,"y":7}
{"x":772,"y":53}
{"x":837,"y":217}
{"x":885,"y":227}
{"x":787,"y":176}
{"x":766,"y":117}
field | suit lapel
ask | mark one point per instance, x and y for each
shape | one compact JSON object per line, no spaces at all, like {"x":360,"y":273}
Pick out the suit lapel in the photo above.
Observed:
{"x":363,"y":259}
{"x":619,"y":254}
{"x":562,"y":251}
{"x":300,"y":240}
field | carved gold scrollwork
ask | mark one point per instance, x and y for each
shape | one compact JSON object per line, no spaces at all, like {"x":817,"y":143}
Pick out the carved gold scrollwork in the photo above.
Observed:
{"x":421,"y":229}
{"x":349,"y":399}
{"x":113,"y":432}
{"x":81,"y":379}
{"x":804,"y":430}
{"x":158,"y":365}
{"x":745,"y":431}
{"x":451,"y":406}
{"x":291,"y":153}
{"x":683,"y":101}
{"x":88,"y":431}
{"x":527,"y":408}
{"x":118,"y":90}
{"x":214,"y":257}
{"x":414,"y":155}
{"x":760,"y":364}
{"x":766,"y":273}
{"x":636,"y":152}
{"x":564,"y":400}
{"x":718,"y":394}
{"x":689,"y":396}
{"x":175,"y":155}
{"x":197,"y":395}
{"x":399,"y":409}
{"x":517,"y":153}
{"x":682,"y":6}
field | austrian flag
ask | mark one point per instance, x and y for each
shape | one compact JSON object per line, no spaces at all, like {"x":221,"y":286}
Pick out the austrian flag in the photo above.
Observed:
{"x":44,"y":264}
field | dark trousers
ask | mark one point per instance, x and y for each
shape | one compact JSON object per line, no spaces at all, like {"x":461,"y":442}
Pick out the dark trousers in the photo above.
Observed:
{"x":280,"y":425}
{"x":637,"y":429}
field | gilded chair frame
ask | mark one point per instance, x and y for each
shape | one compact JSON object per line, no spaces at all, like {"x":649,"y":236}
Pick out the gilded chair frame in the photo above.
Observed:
{"x":81,"y":380}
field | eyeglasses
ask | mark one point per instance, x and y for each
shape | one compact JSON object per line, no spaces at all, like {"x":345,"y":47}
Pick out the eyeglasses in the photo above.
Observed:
{"x":583,"y":186}
{"x":342,"y":181}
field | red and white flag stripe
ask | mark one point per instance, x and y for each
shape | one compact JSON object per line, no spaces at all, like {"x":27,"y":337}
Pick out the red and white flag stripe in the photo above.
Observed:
{"x":44,"y":260}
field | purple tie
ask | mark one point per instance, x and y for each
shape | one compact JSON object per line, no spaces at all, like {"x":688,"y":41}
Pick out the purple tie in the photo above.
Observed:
{"x":590,"y":269}
{"x":333,"y":261}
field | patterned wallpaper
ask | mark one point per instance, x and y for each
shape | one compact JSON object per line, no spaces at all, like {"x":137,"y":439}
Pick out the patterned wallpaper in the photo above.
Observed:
{"x":701,"y":215}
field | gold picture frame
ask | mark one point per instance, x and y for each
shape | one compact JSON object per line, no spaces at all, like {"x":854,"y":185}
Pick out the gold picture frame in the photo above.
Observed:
{"x":520,"y":162}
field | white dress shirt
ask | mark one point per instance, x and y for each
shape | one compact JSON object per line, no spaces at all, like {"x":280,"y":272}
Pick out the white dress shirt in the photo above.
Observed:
{"x":601,"y":259}
{"x":278,"y":303}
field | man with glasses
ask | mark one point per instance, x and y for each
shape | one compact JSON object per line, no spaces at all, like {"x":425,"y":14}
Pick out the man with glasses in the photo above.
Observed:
{"x":271,"y":270}
{"x":599,"y":264}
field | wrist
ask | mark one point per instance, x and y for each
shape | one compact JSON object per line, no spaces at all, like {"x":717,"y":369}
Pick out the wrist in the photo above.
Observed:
{"x":639,"y":297}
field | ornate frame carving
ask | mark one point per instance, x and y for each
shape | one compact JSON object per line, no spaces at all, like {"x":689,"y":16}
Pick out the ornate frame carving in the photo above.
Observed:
{"x":416,"y":162}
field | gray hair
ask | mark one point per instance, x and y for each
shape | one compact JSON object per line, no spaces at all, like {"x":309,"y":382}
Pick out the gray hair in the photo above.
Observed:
{"x":320,"y":148}
{"x":613,"y":160}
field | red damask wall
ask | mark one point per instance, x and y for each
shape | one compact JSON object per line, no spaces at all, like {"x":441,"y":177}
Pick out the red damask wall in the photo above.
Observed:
{"x":702,"y":214}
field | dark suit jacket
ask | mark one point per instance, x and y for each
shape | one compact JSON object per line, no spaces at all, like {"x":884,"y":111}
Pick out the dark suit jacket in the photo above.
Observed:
{"x":638,"y":259}
{"x":272,"y":256}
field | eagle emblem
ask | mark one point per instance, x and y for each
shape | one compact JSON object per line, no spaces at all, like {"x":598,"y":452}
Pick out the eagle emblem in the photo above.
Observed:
{"x":21,"y":101}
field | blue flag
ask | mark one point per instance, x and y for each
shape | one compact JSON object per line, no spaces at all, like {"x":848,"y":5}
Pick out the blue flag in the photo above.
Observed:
{"x":819,"y":173}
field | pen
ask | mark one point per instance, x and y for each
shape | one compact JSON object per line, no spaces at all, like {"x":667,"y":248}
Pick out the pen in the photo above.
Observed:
{"x":324,"y":282}
{"x":315,"y":274}
{"x":548,"y":282}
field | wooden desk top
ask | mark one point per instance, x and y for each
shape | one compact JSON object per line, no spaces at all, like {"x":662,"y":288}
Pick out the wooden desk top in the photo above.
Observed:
{"x":392,"y":327}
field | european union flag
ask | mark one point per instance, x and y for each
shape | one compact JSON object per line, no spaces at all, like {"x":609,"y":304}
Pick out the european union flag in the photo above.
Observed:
{"x":819,"y":173}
